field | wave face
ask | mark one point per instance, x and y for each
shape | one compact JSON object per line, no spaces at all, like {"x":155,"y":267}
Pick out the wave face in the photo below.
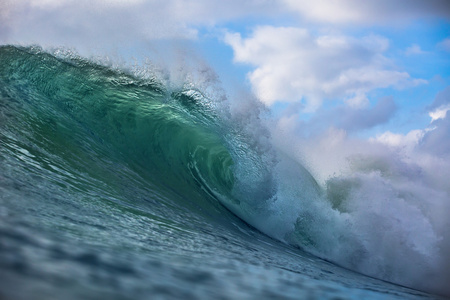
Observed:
{"x":116,"y":184}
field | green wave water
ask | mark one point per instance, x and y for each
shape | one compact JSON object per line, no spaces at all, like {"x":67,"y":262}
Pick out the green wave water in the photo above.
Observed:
{"x":116,"y":186}
{"x":133,"y":121}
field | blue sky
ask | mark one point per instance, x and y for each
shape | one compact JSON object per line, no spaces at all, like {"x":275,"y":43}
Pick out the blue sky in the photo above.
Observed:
{"x":382,"y":62}
{"x":414,"y":49}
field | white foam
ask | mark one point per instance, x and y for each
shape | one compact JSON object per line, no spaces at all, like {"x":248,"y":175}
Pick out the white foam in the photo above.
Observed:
{"x":383,"y":210}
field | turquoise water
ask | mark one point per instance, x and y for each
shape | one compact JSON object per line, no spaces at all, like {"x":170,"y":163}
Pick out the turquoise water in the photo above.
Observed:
{"x":120,"y":187}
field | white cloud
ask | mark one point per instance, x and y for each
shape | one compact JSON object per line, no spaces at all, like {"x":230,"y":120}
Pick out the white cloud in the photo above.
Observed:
{"x":325,"y":143}
{"x":440,"y":106}
{"x":351,"y":119}
{"x":291,"y":64}
{"x":106,"y":23}
{"x":89,"y":24}
{"x":437,"y":140}
{"x":396,"y":140}
{"x":368,"y":12}
{"x":439,"y":113}
{"x":360,"y":100}
{"x":433,"y":140}
{"x":117,"y":22}
{"x":414,"y":50}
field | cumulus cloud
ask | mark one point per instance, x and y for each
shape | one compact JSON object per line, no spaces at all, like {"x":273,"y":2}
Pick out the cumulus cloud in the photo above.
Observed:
{"x":87,"y":23}
{"x":380,"y":12}
{"x":291,"y":64}
{"x":396,"y":140}
{"x":326,"y":145}
{"x":77,"y":23}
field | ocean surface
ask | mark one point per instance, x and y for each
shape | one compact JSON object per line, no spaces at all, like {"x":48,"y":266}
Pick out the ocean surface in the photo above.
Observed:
{"x":116,"y":185}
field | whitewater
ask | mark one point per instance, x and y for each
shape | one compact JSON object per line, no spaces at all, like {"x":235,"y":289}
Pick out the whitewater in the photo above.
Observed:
{"x":118,"y":182}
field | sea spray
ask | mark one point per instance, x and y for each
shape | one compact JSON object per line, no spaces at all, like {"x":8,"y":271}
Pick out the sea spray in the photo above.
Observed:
{"x":383,"y":210}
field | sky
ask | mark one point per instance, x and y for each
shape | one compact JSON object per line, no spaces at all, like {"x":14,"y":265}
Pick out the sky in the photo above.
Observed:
{"x":373,"y":69}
